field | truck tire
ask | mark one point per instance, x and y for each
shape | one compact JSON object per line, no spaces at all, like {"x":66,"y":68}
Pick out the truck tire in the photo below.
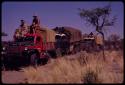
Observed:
{"x":45,"y":61}
{"x":34,"y":59}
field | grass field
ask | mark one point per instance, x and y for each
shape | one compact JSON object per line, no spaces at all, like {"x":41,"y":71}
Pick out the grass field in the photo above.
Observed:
{"x":79,"y":68}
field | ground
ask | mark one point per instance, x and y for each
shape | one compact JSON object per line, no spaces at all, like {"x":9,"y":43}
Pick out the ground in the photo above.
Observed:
{"x":65,"y":69}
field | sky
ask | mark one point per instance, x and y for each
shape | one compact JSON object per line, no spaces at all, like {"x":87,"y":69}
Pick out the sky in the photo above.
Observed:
{"x":53,"y":14}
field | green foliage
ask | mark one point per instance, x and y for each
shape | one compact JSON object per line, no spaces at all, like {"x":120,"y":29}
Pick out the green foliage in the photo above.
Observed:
{"x":98,"y":17}
{"x":90,"y":77}
{"x":114,"y":37}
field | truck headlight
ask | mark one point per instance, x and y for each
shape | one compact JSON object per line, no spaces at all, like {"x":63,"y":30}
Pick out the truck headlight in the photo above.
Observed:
{"x":3,"y":51}
{"x":4,"y":48}
{"x":25,"y":48}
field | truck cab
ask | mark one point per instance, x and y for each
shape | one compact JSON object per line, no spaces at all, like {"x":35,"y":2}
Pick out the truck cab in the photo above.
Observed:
{"x":36,"y":41}
{"x":29,"y":48}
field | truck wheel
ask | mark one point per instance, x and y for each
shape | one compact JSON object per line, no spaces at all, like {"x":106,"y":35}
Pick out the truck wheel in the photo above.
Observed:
{"x":33,"y":59}
{"x":45,"y":60}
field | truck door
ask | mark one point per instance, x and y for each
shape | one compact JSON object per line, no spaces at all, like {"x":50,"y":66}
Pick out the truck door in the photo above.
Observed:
{"x":38,"y":40}
{"x":39,"y":43}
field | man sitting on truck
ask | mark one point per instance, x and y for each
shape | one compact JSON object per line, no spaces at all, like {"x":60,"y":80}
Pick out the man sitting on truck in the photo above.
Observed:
{"x":17,"y":34}
{"x":24,"y":27}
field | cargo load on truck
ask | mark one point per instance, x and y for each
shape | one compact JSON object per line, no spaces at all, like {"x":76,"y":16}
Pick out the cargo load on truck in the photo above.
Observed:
{"x":67,"y":40}
{"x":74,"y":34}
{"x":47,"y":34}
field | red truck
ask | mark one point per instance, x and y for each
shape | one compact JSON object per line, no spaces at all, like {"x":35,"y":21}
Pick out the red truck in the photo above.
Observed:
{"x":33,"y":48}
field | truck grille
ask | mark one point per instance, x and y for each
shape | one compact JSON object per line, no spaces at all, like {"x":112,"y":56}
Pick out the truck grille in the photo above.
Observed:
{"x":13,"y":50}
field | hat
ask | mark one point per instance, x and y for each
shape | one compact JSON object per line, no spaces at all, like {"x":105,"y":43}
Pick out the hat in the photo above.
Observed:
{"x":34,"y":16}
{"x":22,"y":20}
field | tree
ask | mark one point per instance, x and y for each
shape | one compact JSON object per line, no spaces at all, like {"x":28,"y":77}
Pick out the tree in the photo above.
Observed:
{"x":99,"y":18}
{"x":114,"y":37}
{"x":114,"y":40}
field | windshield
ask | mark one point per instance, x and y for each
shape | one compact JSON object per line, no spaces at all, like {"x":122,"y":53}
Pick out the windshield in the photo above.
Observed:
{"x":25,"y":41}
{"x":20,"y":39}
{"x":29,"y":38}
{"x":13,"y":44}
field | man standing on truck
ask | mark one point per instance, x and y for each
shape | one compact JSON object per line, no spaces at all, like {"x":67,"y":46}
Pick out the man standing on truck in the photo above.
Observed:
{"x":36,"y":21}
{"x":35,"y":24}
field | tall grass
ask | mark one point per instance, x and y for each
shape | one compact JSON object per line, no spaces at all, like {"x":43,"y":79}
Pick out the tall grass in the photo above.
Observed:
{"x":85,"y":68}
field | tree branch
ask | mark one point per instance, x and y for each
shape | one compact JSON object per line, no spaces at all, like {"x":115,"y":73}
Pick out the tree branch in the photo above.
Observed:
{"x":103,"y":21}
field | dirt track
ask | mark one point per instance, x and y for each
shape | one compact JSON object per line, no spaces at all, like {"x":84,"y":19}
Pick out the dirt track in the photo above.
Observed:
{"x":12,"y":77}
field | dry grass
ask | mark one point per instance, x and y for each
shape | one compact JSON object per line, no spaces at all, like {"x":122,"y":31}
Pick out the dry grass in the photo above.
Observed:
{"x":85,"y":68}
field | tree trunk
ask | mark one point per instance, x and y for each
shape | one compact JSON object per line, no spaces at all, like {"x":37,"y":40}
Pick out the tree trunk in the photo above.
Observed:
{"x":103,"y":44}
{"x":98,"y":29}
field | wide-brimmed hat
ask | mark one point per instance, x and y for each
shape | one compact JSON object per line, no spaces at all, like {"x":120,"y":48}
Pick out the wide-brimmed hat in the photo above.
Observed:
{"x":34,"y":16}
{"x":21,"y":20}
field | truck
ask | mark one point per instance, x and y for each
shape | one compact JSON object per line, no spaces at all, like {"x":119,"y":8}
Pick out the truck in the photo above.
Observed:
{"x":68,"y":40}
{"x":37,"y":47}
{"x":33,"y":48}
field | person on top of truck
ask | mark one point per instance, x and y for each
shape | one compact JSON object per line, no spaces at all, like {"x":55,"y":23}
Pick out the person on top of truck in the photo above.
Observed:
{"x":23,"y":27}
{"x":22,"y":23}
{"x":36,"y":21}
{"x":17,"y":34}
{"x":35,"y":24}
{"x":32,"y":29}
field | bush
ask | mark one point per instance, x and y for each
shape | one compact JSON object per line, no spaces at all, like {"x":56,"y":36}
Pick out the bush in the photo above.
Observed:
{"x":90,"y":77}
